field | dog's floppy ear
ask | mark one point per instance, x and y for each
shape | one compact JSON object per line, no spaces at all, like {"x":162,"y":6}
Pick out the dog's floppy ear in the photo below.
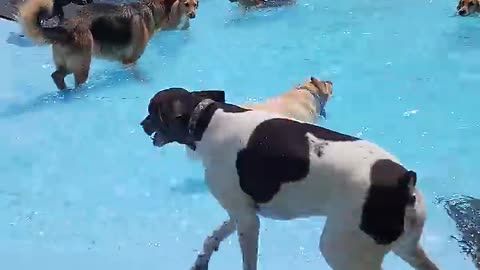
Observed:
{"x":215,"y":95}
{"x":179,"y":109}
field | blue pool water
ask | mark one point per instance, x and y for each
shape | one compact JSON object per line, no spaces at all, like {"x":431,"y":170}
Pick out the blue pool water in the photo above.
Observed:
{"x":81,"y":186}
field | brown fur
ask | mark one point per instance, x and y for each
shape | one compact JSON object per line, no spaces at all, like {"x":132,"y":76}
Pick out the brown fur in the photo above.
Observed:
{"x":117,"y":32}
{"x":181,"y":13}
{"x":467,"y":7}
{"x":302,"y":103}
{"x":263,"y":3}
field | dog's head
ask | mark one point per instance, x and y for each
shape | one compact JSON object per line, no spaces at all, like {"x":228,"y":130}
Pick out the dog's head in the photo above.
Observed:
{"x":169,"y":114}
{"x":189,"y":7}
{"x":320,"y":89}
{"x":467,"y":7}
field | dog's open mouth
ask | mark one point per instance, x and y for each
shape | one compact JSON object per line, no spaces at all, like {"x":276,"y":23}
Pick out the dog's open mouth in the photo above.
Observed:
{"x":157,"y":139}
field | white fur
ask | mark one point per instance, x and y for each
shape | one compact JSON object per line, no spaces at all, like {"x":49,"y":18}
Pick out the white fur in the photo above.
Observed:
{"x":184,"y":20}
{"x":335,"y":187}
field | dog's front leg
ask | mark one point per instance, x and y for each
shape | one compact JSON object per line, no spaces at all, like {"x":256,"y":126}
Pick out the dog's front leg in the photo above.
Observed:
{"x":212,"y":244}
{"x":248,"y":227}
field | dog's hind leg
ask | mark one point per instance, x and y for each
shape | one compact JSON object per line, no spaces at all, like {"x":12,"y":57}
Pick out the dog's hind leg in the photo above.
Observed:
{"x":346,"y":247}
{"x":62,"y":71}
{"x":78,"y":63}
{"x":58,"y":77}
{"x":408,"y":246}
{"x":212,"y":244}
{"x":416,"y":257}
{"x":80,"y":66}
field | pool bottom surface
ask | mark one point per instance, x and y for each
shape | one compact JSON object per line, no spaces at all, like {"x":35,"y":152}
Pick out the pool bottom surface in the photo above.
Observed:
{"x":81,"y":186}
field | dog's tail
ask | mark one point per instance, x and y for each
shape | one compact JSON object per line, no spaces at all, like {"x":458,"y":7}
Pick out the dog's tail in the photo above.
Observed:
{"x":29,"y":16}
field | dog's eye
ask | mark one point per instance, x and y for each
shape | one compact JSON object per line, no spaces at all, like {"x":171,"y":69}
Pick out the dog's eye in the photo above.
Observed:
{"x":470,"y":4}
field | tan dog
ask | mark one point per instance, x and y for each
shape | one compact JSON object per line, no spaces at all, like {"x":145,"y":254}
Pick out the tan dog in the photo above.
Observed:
{"x":180,"y":14}
{"x":263,"y":3}
{"x":117,"y":32}
{"x":304,"y":103}
{"x":467,"y":7}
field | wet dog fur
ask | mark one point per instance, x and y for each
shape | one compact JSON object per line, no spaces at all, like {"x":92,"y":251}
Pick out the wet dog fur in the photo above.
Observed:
{"x":468,"y":7}
{"x":117,"y":32}
{"x":182,"y":11}
{"x":257,"y":164}
{"x":304,"y":103}
{"x":248,"y":4}
{"x":59,"y":4}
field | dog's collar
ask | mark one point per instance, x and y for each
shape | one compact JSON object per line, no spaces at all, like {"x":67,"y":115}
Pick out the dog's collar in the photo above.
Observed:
{"x":320,"y":103}
{"x":197,"y":112}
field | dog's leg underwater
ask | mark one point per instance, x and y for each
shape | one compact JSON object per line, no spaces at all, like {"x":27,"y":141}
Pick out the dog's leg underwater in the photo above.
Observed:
{"x":248,"y":227}
{"x":408,"y":247}
{"x":212,"y":244}
{"x":345,"y":247}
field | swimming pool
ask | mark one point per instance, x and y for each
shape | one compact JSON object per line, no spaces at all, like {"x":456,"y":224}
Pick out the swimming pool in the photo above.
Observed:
{"x":82,"y":187}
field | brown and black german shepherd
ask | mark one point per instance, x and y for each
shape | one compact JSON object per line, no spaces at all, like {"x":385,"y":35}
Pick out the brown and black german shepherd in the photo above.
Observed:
{"x":117,"y":32}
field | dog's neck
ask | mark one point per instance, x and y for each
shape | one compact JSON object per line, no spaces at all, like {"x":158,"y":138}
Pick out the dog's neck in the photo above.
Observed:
{"x":160,"y":10}
{"x":177,"y":18}
{"x":202,"y":115}
{"x":198,"y":119}
{"x":320,"y":101}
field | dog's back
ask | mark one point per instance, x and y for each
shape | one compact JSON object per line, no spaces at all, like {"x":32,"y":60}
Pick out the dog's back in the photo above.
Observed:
{"x":305,"y":103}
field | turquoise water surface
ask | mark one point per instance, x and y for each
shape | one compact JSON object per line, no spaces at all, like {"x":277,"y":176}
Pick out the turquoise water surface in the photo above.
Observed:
{"x":81,"y":186}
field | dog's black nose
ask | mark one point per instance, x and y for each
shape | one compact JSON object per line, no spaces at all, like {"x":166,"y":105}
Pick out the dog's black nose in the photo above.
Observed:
{"x":191,"y":15}
{"x":462,"y":12}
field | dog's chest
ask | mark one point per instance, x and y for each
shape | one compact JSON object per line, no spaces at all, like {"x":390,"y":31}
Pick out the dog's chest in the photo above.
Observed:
{"x":183,"y":22}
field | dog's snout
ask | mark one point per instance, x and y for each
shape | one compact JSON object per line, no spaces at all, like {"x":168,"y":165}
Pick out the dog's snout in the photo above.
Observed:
{"x":462,"y":12}
{"x":147,"y":126}
{"x":191,"y":15}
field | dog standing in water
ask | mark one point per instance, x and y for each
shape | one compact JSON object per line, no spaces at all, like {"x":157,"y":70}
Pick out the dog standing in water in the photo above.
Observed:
{"x":118,"y":32}
{"x":304,"y":103}
{"x":180,"y":15}
{"x":467,"y":7}
{"x":259,"y":163}
{"x":263,"y":3}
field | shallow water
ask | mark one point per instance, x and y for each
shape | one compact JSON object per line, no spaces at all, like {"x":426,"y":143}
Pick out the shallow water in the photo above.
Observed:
{"x":81,"y":186}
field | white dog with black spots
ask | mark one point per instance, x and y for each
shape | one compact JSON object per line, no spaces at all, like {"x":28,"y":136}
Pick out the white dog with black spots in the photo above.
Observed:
{"x":261,"y":164}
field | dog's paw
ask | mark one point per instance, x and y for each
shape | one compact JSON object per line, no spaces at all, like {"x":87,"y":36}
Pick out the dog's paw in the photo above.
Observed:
{"x":201,"y":263}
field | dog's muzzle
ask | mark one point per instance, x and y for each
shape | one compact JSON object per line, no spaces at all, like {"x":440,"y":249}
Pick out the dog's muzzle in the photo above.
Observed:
{"x":191,"y":15}
{"x":153,"y":132}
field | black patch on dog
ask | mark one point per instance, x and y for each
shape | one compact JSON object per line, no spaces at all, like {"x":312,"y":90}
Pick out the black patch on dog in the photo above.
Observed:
{"x":112,"y":30}
{"x":389,"y":194}
{"x":277,"y":152}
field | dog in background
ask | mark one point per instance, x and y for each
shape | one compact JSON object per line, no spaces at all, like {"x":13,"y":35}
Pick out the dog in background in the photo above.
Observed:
{"x":467,"y":7}
{"x":59,"y":4}
{"x":117,"y":32}
{"x":263,"y":3}
{"x":182,"y":11}
{"x":304,"y":103}
{"x":259,"y":164}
